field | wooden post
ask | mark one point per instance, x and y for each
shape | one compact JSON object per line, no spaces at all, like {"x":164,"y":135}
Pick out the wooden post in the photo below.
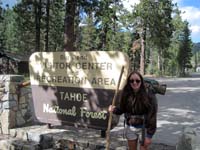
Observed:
{"x":111,"y":113}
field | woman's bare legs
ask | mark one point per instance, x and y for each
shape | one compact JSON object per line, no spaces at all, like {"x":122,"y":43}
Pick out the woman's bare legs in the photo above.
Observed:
{"x":132,"y":144}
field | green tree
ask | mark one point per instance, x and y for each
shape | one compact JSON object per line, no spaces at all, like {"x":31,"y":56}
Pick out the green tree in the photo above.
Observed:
{"x":161,"y":29}
{"x":56,"y":25}
{"x":172,"y":65}
{"x":69,"y":33}
{"x":185,"y":51}
{"x":10,"y":35}
{"x":153,"y":23}
{"x":87,"y":37}
{"x":25,"y":26}
{"x":196,"y":52}
{"x":2,"y":38}
{"x":47,"y":16}
{"x":107,"y":22}
{"x":101,"y":26}
{"x":40,"y":25}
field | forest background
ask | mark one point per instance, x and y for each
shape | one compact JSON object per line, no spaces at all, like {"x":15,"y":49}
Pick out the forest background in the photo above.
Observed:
{"x":153,"y":35}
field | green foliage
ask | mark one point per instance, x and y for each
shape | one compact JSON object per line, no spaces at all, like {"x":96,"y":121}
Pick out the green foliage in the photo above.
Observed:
{"x":56,"y":28}
{"x":153,"y":21}
{"x":196,"y":55}
{"x":103,"y":25}
{"x":2,"y":29}
{"x":25,"y":29}
{"x":88,"y":40}
{"x":10,"y":30}
{"x":27,"y":17}
{"x":185,"y":51}
{"x":106,"y":18}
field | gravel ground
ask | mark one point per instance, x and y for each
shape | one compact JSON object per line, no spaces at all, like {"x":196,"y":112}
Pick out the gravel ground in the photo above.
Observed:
{"x":162,"y":147}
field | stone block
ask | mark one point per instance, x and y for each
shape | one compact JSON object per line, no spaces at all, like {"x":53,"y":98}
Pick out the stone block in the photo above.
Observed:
{"x":11,"y":81}
{"x":34,"y":136}
{"x":2,"y":89}
{"x":3,"y":78}
{"x":4,"y":144}
{"x":22,"y":100}
{"x":2,"y":85}
{"x":23,"y":111}
{"x":4,"y":120}
{"x":20,"y":119}
{"x":5,"y":96}
{"x":13,"y":132}
{"x":28,"y":116}
{"x":1,"y":95}
{"x":13,"y":88}
{"x":23,"y":106}
{"x":21,"y":134}
{"x":15,"y":97}
{"x":24,"y":91}
{"x":15,"y":108}
{"x":12,"y":119}
{"x":46,"y":141}
{"x":189,"y":140}
{"x":16,"y":145}
{"x":31,"y":146}
{"x":7,"y":85}
{"x":19,"y":144}
{"x":9,"y":104}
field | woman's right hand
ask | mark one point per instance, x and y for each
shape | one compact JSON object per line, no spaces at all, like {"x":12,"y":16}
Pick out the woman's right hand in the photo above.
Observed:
{"x":111,"y":108}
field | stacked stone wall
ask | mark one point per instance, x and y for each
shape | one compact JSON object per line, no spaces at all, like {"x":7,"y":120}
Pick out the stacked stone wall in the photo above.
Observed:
{"x":15,"y":108}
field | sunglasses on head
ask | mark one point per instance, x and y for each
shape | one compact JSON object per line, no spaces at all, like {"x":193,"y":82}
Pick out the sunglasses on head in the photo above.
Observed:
{"x":132,"y":81}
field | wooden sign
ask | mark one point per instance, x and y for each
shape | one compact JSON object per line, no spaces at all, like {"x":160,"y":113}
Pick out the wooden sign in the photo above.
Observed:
{"x":76,"y":88}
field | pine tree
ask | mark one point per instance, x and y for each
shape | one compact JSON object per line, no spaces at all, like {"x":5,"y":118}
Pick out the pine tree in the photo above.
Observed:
{"x":56,"y":26}
{"x":2,"y":29}
{"x":25,"y":26}
{"x":172,"y":64}
{"x":153,"y":23}
{"x":40,"y":25}
{"x":69,"y":33}
{"x":185,"y":51}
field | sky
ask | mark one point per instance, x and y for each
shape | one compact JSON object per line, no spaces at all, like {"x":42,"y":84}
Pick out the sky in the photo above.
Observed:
{"x":190,"y":9}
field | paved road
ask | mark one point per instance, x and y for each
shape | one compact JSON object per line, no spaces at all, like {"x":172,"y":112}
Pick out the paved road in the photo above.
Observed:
{"x":178,"y":108}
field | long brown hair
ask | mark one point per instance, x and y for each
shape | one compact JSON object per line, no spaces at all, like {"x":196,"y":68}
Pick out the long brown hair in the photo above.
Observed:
{"x":141,"y":96}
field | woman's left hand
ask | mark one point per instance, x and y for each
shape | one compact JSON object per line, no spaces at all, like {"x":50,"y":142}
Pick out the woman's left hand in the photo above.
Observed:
{"x":147,"y":141}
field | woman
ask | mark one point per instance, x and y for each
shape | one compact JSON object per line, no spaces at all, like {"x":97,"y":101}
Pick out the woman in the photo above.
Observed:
{"x":140,"y":110}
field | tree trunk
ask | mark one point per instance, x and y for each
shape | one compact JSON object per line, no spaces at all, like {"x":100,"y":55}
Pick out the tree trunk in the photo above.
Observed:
{"x":159,"y":62}
{"x":142,"y":55}
{"x":69,"y":35}
{"x":196,"y":60}
{"x":37,"y":24}
{"x":151,"y":61}
{"x":104,"y":38}
{"x":47,"y":26}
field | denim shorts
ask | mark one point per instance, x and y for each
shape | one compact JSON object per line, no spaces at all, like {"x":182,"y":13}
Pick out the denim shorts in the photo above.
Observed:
{"x":133,"y":133}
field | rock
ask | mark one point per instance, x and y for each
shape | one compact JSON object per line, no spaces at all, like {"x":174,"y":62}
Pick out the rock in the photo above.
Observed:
{"x":189,"y":140}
